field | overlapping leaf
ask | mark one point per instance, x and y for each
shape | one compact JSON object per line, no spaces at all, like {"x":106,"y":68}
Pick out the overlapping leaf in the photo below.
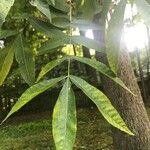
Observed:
{"x":102,"y":68}
{"x":24,"y":57}
{"x":103,"y":104}
{"x":7,"y":33}
{"x":89,"y":43}
{"x":60,"y":5}
{"x":46,"y":28}
{"x":51,"y":45}
{"x":32,"y":92}
{"x":77,"y":40}
{"x":114,"y":33}
{"x":6,"y":55}
{"x":89,"y":8}
{"x":43,"y":7}
{"x":48,"y":67}
{"x":5,"y":6}
{"x":64,"y":119}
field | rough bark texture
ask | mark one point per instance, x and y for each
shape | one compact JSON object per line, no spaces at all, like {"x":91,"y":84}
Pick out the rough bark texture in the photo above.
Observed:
{"x":130,"y":107}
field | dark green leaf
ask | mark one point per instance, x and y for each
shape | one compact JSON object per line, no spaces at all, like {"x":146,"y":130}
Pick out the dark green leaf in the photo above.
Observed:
{"x":103,"y":104}
{"x":89,"y":8}
{"x":43,"y":7}
{"x":51,"y":45}
{"x":89,"y":43}
{"x":61,"y":22}
{"x":48,"y":67}
{"x":77,"y":40}
{"x":46,"y":28}
{"x":7,"y":33}
{"x":64,"y":119}
{"x":60,"y":5}
{"x":24,"y":57}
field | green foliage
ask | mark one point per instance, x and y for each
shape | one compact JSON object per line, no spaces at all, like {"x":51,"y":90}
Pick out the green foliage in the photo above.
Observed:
{"x":103,"y":104}
{"x":5,"y":6}
{"x":43,"y":7}
{"x":33,"y":91}
{"x":64,"y":119}
{"x":7,"y":33}
{"x":24,"y":57}
{"x":114,"y":32}
{"x":54,"y":22}
{"x":48,"y":67}
{"x":143,"y":5}
{"x":6,"y":61}
{"x":103,"y":69}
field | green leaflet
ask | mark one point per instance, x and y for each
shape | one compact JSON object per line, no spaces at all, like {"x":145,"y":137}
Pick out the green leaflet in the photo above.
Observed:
{"x":51,"y":45}
{"x":77,"y":40}
{"x":147,"y":1}
{"x":89,"y":43}
{"x":59,"y":5}
{"x":25,"y":60}
{"x":89,"y":9}
{"x":61,"y":22}
{"x":114,"y":33}
{"x":103,"y":104}
{"x":6,"y":61}
{"x":84,"y":25}
{"x":43,"y":7}
{"x":32,"y":92}
{"x":5,"y":6}
{"x":7,"y":33}
{"x":102,"y":68}
{"x":105,"y":9}
{"x":64,"y":119}
{"x":48,"y":67}
{"x":143,"y":7}
{"x":53,"y":2}
{"x":46,"y":28}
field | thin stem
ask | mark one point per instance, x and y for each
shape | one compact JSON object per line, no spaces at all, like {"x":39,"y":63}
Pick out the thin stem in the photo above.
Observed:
{"x":70,"y":33}
{"x":70,"y":19}
{"x":69,"y":64}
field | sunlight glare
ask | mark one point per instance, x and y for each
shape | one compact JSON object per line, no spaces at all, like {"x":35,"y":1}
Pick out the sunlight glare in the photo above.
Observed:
{"x":135,"y":37}
{"x":89,"y":34}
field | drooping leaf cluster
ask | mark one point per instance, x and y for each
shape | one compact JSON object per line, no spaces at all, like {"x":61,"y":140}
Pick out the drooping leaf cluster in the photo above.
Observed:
{"x":57,"y":20}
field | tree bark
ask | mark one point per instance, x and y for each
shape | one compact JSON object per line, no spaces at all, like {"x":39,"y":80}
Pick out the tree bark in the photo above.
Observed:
{"x":130,"y":107}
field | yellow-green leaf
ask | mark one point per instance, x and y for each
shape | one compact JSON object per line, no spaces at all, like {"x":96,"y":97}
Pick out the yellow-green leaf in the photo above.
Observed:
{"x":102,"y":68}
{"x":32,"y":92}
{"x":103,"y":103}
{"x":64,"y":119}
{"x":6,"y":55}
{"x":114,"y":33}
{"x":48,"y":67}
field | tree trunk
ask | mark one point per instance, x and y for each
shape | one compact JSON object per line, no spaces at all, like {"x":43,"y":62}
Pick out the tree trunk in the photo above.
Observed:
{"x":130,"y":107}
{"x":143,"y":87}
